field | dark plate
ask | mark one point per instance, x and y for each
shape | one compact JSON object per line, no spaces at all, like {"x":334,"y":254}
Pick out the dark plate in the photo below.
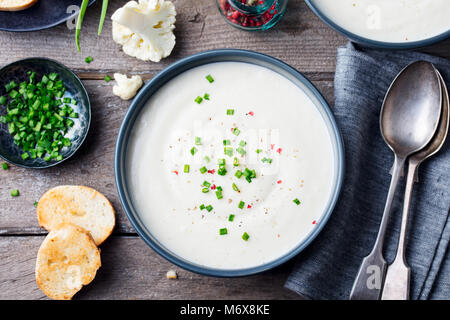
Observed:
{"x":44,"y":14}
{"x":17,"y":71}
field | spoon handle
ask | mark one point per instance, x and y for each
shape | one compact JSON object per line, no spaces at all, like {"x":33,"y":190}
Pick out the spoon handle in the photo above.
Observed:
{"x":369,"y":281}
{"x":396,"y":285}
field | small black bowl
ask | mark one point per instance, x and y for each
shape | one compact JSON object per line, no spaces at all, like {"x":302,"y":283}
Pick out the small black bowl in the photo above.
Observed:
{"x":18,"y":71}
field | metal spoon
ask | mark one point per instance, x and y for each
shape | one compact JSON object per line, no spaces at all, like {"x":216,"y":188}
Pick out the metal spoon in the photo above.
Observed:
{"x":396,"y":285}
{"x":409,"y":118}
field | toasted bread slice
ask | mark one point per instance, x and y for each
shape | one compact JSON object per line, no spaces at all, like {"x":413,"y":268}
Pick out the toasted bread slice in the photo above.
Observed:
{"x":67,"y":259}
{"x":15,"y":5}
{"x":79,"y":205}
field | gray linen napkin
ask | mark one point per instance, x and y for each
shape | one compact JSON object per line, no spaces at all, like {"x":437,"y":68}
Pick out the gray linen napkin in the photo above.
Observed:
{"x":328,"y":267}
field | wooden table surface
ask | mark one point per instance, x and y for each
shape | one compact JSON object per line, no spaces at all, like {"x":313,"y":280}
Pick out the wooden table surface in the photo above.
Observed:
{"x":130,"y":269}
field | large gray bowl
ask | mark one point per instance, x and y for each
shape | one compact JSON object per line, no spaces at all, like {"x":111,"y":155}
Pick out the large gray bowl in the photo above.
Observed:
{"x":191,"y":62}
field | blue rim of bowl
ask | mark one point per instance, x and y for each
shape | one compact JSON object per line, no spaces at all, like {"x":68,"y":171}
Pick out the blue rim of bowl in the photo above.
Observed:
{"x":52,"y":164}
{"x":51,"y":25}
{"x":166,"y":75}
{"x":375,"y":43}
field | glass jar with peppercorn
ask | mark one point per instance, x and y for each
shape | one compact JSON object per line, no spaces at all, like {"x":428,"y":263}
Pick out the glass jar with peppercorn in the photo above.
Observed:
{"x":252,"y":15}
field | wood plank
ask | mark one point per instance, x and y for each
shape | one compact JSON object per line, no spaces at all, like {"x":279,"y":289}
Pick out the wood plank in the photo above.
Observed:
{"x":300,"y":39}
{"x":131,"y":270}
{"x":93,"y":165}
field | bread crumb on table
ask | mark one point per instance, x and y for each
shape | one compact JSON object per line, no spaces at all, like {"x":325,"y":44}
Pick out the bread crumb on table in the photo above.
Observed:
{"x":171,"y":274}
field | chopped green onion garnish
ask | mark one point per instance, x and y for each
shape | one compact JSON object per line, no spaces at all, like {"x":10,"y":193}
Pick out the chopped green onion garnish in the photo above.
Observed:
{"x":268,"y":160}
{"x":219,"y":188}
{"x":235,"y":188}
{"x":209,"y":78}
{"x":205,"y":190}
{"x":37,"y":116}
{"x":228,"y":151}
{"x":194,"y":150}
{"x":206,"y":184}
{"x":242,"y":143}
{"x":186,"y":168}
{"x":88,"y":59}
{"x":226,"y":142}
{"x":219,"y":194}
{"x":241,"y":205}
{"x":296,"y":201}
{"x":107,"y":78}
{"x":231,"y":217}
{"x":222,"y":171}
{"x":3,"y":100}
{"x":245,"y":236}
{"x":236,"y":131}
{"x":206,"y":96}
{"x":207,"y":159}
{"x":221,"y":162}
{"x":258,"y":150}
{"x":241,"y":151}
{"x":238,"y":174}
{"x":202,"y":207}
{"x":198,"y":141}
{"x":35,"y":204}
{"x":198,"y":99}
{"x":203,"y":170}
{"x":236,"y":162}
{"x":230,"y":112}
{"x":15,"y":193}
{"x":209,"y":208}
{"x":223,"y":231}
{"x":5,"y":166}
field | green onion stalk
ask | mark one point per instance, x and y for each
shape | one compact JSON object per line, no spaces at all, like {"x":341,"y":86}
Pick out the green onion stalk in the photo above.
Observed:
{"x":83,"y":8}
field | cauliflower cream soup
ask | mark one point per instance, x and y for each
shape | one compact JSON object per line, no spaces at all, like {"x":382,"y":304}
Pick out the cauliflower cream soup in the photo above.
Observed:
{"x":389,"y":20}
{"x":230,"y":165}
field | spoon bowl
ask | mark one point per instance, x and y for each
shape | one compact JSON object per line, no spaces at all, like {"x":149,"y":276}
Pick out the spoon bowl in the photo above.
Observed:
{"x":411,"y":109}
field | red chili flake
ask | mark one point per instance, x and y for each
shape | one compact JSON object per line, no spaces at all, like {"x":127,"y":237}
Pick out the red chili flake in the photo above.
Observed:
{"x":279,"y":181}
{"x":272,"y":146}
{"x":279,"y":150}
{"x":213,"y":187}
{"x":314,"y":222}
{"x":175,"y":171}
{"x":251,"y":113}
{"x":232,"y":129}
{"x":211,"y":171}
{"x":249,"y":206}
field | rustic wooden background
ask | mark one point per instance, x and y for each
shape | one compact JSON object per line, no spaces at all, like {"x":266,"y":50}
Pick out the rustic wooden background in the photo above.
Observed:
{"x":130,"y":269}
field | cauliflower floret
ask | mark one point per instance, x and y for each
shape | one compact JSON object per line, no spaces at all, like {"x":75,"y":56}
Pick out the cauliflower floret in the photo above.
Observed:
{"x":126,"y":88}
{"x":145,"y":29}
